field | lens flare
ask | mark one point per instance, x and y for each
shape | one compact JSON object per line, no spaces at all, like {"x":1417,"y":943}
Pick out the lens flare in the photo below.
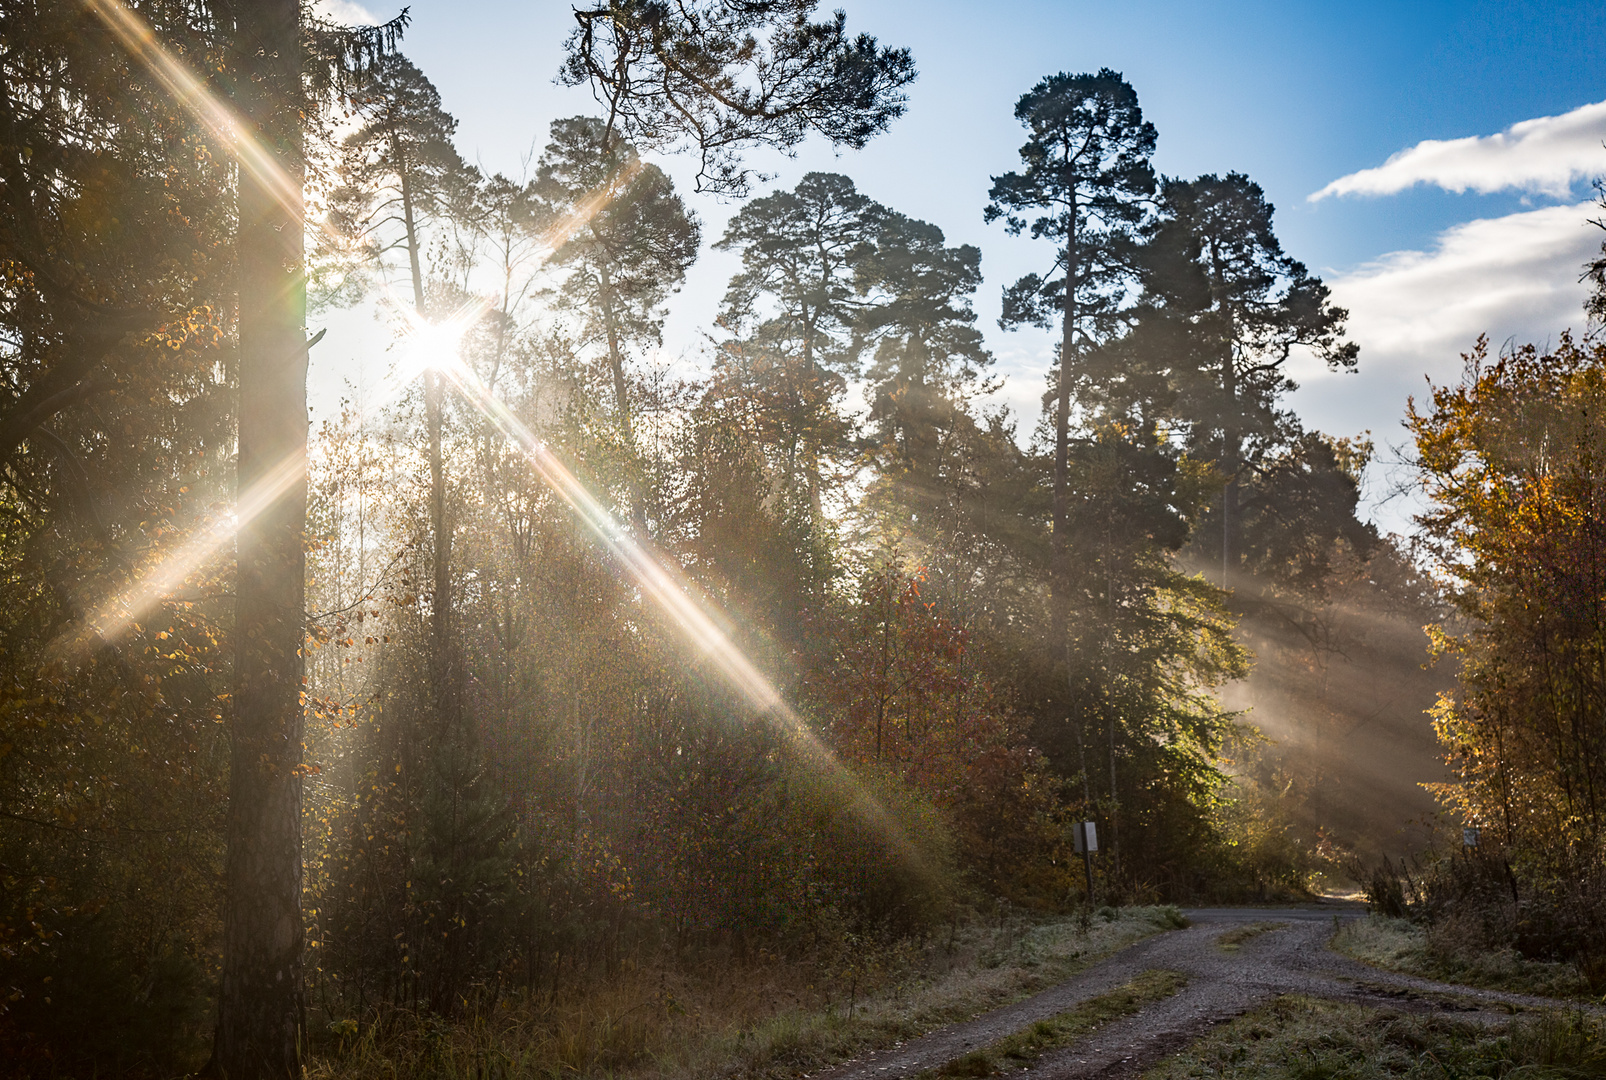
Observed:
{"x":437,"y":346}
{"x":120,"y":613}
{"x":664,"y":584}
{"x":432,"y":346}
{"x":589,"y":206}
{"x":192,"y":95}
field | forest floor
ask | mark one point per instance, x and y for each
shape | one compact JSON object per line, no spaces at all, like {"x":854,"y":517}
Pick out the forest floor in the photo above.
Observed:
{"x":1250,"y":993}
{"x":765,"y":1017}
{"x":1230,"y":964}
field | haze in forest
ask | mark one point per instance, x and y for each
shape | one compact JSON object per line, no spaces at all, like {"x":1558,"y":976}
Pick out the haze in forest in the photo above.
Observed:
{"x":1300,"y":99}
{"x":710,"y":537}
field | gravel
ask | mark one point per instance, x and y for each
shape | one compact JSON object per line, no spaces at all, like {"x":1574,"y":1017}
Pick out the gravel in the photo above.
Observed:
{"x":1222,"y":984}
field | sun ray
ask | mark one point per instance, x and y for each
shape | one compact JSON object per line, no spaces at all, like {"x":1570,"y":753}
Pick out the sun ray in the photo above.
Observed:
{"x":667,"y":587}
{"x":434,"y":346}
{"x":437,"y":348}
{"x":588,"y":207}
{"x":123,"y":611}
{"x":191,"y":93}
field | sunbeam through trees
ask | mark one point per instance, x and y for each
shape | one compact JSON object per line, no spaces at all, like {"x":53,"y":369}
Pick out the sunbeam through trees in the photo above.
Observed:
{"x":572,"y":688}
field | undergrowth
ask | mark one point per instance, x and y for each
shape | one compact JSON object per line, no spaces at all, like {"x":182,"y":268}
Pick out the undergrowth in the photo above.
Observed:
{"x":1444,"y":953}
{"x":763,"y":1017}
{"x":1305,"y":1039}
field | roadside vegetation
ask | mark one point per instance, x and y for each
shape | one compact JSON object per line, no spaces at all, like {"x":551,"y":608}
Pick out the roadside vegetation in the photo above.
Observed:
{"x":1451,"y":951}
{"x":767,"y":1015}
{"x":1301,"y":1038}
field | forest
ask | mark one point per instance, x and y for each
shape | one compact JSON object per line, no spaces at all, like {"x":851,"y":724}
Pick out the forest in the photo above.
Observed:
{"x":548,"y":685}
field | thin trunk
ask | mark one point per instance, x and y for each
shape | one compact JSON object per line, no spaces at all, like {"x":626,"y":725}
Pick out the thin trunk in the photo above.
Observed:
{"x":1231,"y":454}
{"x":441,"y":601}
{"x":1231,"y":437}
{"x":621,"y":392}
{"x":616,"y":358}
{"x":1109,"y":682}
{"x":1081,"y":748}
{"x":1059,"y":571}
{"x":811,"y":459}
{"x":1229,"y":517}
{"x":1115,"y":806}
{"x":261,"y":1004}
{"x":1059,"y":555}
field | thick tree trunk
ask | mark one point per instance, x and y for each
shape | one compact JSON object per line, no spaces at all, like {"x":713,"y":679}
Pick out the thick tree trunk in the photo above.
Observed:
{"x":260,"y":1005}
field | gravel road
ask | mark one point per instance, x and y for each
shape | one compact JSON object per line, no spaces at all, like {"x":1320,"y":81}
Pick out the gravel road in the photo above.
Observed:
{"x":1222,"y":984}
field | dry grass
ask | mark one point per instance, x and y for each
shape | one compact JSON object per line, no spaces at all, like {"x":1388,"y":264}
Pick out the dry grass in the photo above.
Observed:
{"x":1234,"y":939}
{"x":1022,"y":1049}
{"x":1401,"y":945}
{"x":765,"y":1017}
{"x":1300,"y":1038}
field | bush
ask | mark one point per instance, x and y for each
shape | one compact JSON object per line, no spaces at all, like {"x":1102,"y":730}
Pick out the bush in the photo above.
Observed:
{"x":1482,"y":902}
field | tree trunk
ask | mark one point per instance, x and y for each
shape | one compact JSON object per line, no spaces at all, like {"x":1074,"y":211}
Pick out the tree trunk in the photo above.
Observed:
{"x":1231,"y":439}
{"x":441,"y":602}
{"x":1059,"y":571}
{"x":260,"y":1005}
{"x":616,"y":358}
{"x":1229,"y":518}
{"x":440,"y":607}
{"x":621,"y":395}
{"x":812,"y":388}
{"x":1231,"y":454}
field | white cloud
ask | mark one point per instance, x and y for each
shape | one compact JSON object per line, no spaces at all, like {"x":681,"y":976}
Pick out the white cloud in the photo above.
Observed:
{"x":345,"y":11}
{"x":1545,"y":155}
{"x":1414,"y":313}
{"x":1519,"y":271}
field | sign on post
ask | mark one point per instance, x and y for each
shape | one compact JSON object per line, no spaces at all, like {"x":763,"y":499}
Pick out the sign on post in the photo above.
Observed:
{"x":1085,"y":840}
{"x":1469,"y":837}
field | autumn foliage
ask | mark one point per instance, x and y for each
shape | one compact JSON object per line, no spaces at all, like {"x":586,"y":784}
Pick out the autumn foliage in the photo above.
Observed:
{"x":903,"y":691}
{"x":1512,"y":460}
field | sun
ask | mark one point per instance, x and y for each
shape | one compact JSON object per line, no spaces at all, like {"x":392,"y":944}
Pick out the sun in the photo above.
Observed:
{"x":435,"y":346}
{"x":432,"y":347}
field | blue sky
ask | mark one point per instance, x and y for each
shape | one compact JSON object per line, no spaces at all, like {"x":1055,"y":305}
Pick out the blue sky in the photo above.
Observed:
{"x":1297,"y":95}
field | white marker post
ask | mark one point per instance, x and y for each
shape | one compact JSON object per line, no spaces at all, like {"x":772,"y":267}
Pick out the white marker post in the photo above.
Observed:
{"x":1085,"y":839}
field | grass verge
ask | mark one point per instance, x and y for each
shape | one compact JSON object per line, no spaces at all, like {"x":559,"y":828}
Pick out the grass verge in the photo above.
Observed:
{"x":1404,"y":946}
{"x":1234,"y":939}
{"x":1022,"y":1049}
{"x":1305,"y":1039}
{"x":764,"y":1018}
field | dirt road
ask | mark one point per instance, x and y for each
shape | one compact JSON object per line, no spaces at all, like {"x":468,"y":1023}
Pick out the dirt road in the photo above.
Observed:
{"x":1222,"y":983}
